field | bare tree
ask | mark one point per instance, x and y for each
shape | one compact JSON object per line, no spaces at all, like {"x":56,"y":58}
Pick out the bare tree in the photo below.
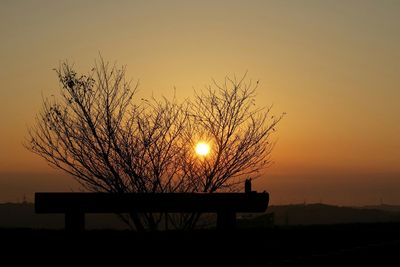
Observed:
{"x":110,"y":142}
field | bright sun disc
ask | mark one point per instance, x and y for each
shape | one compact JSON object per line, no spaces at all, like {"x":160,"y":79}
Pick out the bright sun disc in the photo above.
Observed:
{"x":202,"y":149}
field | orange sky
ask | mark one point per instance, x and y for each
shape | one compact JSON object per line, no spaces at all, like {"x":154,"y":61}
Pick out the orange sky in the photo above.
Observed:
{"x":333,"y":66}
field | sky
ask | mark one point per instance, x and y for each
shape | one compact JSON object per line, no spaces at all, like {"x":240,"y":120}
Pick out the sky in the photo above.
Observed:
{"x":332,"y":66}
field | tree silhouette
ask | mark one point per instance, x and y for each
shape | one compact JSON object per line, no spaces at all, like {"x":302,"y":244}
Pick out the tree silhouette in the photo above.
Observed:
{"x":111,"y":142}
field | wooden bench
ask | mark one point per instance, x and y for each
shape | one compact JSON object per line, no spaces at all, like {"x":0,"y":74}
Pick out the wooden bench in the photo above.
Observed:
{"x":75,"y":205}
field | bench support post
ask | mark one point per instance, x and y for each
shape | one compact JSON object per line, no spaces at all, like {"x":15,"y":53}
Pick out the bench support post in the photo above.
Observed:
{"x":226,"y":220}
{"x":74,"y":221}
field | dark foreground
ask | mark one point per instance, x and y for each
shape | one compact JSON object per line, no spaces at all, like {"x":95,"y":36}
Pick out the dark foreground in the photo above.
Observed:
{"x":332,"y":245}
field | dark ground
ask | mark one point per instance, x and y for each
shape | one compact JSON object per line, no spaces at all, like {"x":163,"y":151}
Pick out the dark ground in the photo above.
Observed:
{"x":319,"y":245}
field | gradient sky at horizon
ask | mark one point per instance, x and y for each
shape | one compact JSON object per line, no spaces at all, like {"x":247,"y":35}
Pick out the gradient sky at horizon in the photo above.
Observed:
{"x":332,"y":66}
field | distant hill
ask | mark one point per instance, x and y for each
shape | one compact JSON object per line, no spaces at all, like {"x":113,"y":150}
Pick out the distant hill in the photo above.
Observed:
{"x":309,"y":214}
{"x":385,"y":207}
{"x":22,"y":215}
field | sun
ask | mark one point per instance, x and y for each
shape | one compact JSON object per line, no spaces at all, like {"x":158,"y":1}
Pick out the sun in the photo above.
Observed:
{"x":202,"y":149}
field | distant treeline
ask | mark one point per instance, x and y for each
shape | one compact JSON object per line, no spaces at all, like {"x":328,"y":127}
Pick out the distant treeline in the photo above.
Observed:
{"x":22,"y":215}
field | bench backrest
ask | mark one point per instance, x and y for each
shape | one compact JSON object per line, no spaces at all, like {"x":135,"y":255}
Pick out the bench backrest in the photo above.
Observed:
{"x":148,"y":202}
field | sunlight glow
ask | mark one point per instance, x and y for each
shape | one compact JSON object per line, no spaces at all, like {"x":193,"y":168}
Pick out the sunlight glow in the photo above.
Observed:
{"x":202,"y":149}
